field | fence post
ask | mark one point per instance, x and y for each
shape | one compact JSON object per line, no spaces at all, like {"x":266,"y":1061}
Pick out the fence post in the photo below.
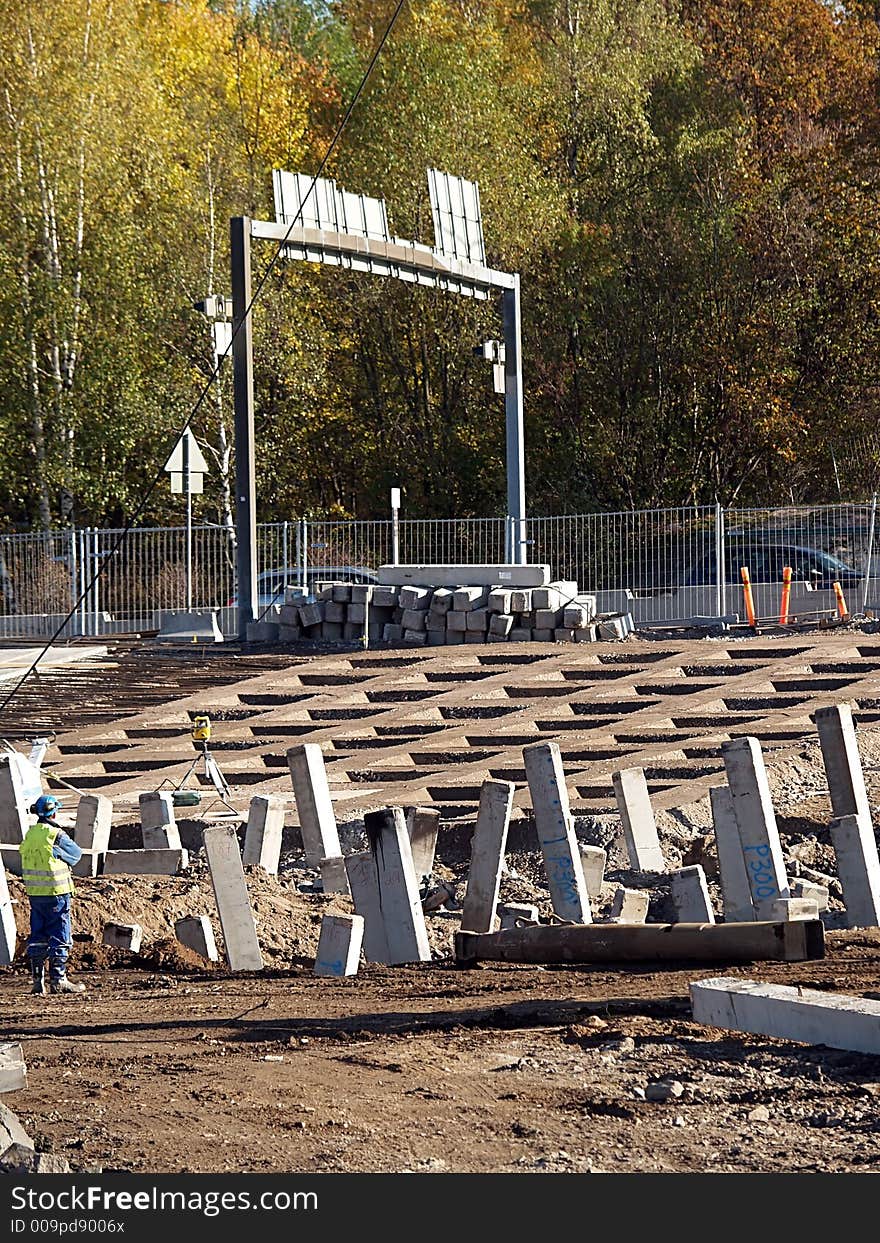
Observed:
{"x":81,"y":541}
{"x":304,"y":555}
{"x":284,"y":553}
{"x":508,"y":539}
{"x":71,"y":626}
{"x":870,"y":552}
{"x":96,"y":629}
{"x":720,"y":567}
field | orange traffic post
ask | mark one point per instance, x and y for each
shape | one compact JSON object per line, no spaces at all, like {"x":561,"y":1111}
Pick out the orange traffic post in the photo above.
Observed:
{"x":747,"y":594}
{"x":841,"y":602}
{"x":786,"y":595}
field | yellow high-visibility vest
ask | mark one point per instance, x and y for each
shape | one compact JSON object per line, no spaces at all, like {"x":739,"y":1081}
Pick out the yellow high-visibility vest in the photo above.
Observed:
{"x":44,"y":876}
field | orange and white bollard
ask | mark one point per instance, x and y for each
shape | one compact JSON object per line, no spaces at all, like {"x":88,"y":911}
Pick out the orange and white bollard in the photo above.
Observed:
{"x":747,"y":595}
{"x":786,"y":595}
{"x":841,"y":602}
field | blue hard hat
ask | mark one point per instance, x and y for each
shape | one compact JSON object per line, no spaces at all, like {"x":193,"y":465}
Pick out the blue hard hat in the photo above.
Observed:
{"x":46,"y":804}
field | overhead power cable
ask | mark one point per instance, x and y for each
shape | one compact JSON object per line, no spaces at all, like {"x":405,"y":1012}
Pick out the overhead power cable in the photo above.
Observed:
{"x":142,"y":503}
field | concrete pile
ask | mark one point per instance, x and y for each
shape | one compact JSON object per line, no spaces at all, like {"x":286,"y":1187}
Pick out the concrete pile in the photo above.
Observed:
{"x":417,"y":616}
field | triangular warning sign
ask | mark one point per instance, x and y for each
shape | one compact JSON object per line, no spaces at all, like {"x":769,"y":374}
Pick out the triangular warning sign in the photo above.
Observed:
{"x":197,"y":463}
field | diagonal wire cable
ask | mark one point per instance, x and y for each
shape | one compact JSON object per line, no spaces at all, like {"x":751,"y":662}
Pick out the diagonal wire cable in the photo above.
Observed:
{"x":236,"y":328}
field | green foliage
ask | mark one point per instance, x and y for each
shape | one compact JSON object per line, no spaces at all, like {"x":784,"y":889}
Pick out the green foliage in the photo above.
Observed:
{"x":689,"y":196}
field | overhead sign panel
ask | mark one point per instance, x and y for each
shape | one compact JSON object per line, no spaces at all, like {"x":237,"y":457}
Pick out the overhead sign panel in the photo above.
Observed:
{"x":458,"y":225}
{"x":322,"y":205}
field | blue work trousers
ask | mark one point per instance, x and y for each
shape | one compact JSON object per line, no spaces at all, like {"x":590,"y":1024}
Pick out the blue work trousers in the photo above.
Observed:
{"x":50,"y":931}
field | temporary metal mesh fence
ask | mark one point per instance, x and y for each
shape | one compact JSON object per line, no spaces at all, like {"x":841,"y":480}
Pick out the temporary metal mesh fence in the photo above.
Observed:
{"x":661,"y":564}
{"x":648,"y":553}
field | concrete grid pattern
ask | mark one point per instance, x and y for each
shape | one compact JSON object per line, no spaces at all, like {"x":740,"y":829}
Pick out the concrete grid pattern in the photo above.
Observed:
{"x":428,"y":727}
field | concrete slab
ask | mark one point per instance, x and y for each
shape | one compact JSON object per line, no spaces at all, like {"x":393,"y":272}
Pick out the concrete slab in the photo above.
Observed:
{"x":690,"y":896}
{"x":233,"y":901}
{"x":472,"y":575}
{"x":145,"y":862}
{"x":811,"y":890}
{"x":158,"y":822}
{"x":788,"y":908}
{"x":629,"y":906}
{"x":735,"y":888}
{"x":190,"y":628}
{"x":423,"y":826}
{"x":262,"y":839}
{"x":7,"y":923}
{"x":94,"y":817}
{"x":843,"y":765}
{"x":593,"y":861}
{"x":196,"y":933}
{"x":553,"y":823}
{"x":858,"y":868}
{"x":363,"y":880}
{"x":14,"y":816}
{"x":802,"y":1014}
{"x":487,"y":856}
{"x":637,"y":819}
{"x":313,"y":804}
{"x":339,"y":945}
{"x":755,"y":819}
{"x":333,"y":875}
{"x":512,"y":915}
{"x":123,"y":936}
{"x":401,"y":907}
{"x":13,"y":1071}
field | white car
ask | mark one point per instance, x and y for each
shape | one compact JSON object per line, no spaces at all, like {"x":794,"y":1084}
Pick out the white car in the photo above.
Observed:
{"x":271,"y":583}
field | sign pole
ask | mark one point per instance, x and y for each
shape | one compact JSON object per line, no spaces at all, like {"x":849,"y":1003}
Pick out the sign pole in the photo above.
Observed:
{"x":189,"y":524}
{"x":395,"y":526}
{"x":243,"y":404}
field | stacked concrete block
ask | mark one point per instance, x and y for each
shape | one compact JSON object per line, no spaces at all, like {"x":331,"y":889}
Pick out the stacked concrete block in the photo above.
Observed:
{"x":425,"y":616}
{"x":615,"y":626}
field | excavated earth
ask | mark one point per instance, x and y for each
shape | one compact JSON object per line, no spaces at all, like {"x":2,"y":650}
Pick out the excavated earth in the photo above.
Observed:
{"x":169,"y":1063}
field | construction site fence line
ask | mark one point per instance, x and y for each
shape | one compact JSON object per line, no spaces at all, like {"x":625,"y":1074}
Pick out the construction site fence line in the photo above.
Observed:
{"x":665,"y":566}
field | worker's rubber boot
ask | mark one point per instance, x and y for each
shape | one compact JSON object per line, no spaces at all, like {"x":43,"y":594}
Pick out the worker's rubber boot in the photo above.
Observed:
{"x":59,"y":983}
{"x":38,"y":975}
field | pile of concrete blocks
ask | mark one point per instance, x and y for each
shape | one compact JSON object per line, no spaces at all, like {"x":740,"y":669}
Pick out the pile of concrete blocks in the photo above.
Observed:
{"x":438,"y":605}
{"x":417,"y":616}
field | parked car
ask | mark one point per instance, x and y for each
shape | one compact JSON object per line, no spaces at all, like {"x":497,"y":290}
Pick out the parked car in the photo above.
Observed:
{"x":766,"y":559}
{"x":271,"y":583}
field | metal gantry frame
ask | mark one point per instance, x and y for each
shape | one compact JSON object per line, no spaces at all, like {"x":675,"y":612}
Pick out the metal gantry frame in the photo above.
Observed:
{"x":407,"y":261}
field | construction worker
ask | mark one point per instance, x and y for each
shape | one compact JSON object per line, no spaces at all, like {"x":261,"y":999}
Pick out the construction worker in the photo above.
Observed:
{"x":47,"y":855}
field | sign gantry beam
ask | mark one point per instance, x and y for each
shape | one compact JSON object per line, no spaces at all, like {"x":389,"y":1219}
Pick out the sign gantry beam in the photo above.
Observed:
{"x":382,"y":256}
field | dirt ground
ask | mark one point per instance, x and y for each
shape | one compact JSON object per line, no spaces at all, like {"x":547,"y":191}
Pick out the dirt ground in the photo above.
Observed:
{"x":438,"y":1068}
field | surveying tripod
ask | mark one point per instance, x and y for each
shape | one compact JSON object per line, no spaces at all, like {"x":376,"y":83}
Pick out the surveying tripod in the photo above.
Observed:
{"x":201,"y":736}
